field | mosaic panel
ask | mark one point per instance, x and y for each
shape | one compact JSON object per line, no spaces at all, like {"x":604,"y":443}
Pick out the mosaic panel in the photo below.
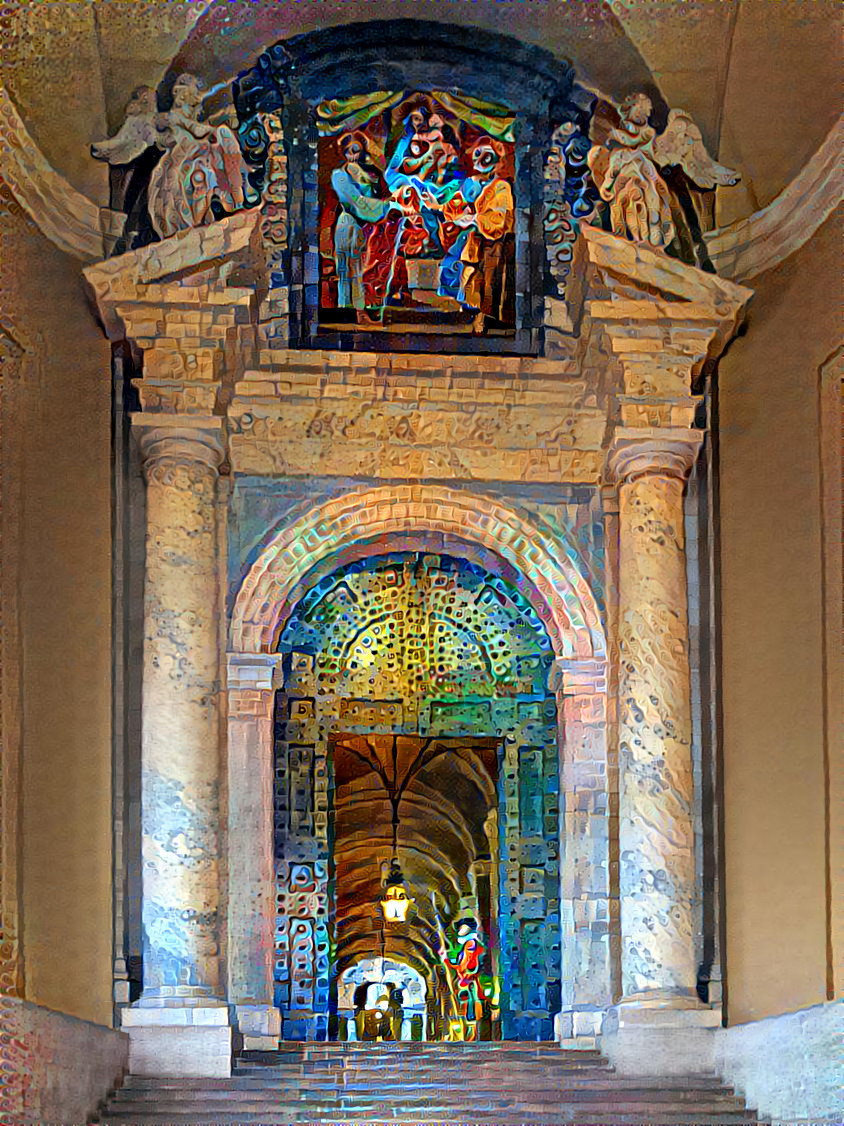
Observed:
{"x":417,"y":211}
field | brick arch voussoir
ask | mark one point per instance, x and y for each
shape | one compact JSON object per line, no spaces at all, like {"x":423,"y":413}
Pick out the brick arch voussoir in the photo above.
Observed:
{"x":548,"y":564}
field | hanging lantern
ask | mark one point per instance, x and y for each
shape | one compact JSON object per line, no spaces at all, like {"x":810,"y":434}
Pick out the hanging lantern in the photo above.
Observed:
{"x":395,"y":903}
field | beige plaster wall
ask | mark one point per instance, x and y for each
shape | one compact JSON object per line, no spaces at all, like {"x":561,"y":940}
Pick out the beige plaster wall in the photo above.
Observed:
{"x":65,"y":598}
{"x":773,"y":637}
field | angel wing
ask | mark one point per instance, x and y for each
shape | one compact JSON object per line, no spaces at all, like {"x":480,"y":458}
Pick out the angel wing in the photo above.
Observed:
{"x":682,"y":144}
{"x":137,"y":133}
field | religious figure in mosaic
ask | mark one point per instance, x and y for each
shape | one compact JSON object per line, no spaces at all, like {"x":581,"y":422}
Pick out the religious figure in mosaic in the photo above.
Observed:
{"x":644,"y":175}
{"x":367,"y":247}
{"x":476,"y":266}
{"x":426,"y":155}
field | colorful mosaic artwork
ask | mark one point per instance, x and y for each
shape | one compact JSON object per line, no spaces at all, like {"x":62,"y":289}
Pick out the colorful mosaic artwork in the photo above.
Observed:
{"x":417,"y":211}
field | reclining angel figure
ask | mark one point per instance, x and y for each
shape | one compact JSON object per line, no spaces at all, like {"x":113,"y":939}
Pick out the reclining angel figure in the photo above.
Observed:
{"x":660,"y":186}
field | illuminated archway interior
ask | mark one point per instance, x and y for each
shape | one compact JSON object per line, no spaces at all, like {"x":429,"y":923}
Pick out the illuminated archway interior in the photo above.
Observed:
{"x":415,"y":721}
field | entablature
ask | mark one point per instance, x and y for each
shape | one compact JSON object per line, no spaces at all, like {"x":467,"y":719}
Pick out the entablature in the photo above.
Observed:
{"x":646,"y":326}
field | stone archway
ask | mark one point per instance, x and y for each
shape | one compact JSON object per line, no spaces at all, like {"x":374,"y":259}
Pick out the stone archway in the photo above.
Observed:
{"x":549,"y":566}
{"x":371,"y":522}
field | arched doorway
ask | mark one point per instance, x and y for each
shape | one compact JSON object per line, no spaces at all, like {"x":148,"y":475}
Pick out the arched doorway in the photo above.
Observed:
{"x":382,"y":999}
{"x":415,"y":699}
{"x":534,"y":558}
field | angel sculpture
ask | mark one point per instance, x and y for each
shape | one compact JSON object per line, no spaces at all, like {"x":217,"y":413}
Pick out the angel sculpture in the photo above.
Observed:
{"x":201,"y":174}
{"x":138,"y":131}
{"x":659,"y":185}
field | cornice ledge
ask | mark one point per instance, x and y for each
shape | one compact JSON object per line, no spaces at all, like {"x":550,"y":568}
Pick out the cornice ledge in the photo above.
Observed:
{"x":751,"y":246}
{"x":151,"y":275}
{"x":635,"y":283}
{"x":65,"y":216}
{"x":659,"y":277}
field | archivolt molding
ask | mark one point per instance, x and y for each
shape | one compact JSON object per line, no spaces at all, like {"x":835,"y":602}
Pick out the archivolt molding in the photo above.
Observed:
{"x":550,"y":567}
{"x":65,"y":216}
{"x":768,"y":237}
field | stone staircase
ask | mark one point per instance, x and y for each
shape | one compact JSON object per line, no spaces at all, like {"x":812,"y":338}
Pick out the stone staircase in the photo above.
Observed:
{"x":501,"y":1084}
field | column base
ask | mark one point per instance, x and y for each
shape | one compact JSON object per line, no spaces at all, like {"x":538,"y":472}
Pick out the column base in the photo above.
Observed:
{"x":169,"y":1039}
{"x":259,"y":1027}
{"x":578,"y":1028}
{"x":661,"y":1036}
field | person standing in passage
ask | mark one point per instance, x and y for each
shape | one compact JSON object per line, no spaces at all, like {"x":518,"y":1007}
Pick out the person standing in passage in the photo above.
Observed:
{"x":465,"y":954}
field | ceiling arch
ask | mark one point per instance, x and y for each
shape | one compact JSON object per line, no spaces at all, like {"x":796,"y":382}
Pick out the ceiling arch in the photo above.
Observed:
{"x":220,"y":43}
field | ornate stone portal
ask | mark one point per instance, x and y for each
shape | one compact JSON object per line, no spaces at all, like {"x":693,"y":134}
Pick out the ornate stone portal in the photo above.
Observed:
{"x":511,"y":463}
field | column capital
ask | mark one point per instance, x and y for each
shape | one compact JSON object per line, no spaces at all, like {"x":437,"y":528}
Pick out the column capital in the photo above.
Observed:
{"x":185,"y":440}
{"x":661,"y":452}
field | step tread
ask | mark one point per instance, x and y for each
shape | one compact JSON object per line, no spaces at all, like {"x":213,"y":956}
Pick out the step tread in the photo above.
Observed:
{"x":489,"y":1084}
{"x":576,"y":1117}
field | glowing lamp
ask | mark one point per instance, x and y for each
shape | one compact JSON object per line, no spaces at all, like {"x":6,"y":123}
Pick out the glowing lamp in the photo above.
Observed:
{"x":395,"y":903}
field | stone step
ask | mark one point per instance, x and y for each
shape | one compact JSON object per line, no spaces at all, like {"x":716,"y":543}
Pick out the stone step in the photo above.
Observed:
{"x":467,"y":1047}
{"x":607,"y":1082}
{"x":467,"y":1052}
{"x":562,"y":1116}
{"x":344,"y":1047}
{"x":372,"y":1084}
{"x":416,"y":1094}
{"x":386,"y":1073}
{"x":402,"y":1066}
{"x":523,"y":1101}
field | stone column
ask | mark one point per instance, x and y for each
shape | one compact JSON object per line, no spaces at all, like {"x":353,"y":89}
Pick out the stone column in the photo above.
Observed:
{"x":586,"y":994}
{"x":609,"y":505}
{"x":656,"y":831}
{"x":180,"y":1026}
{"x":251,"y":898}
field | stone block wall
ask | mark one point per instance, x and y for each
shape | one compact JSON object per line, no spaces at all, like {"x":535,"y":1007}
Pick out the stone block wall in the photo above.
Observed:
{"x":65,"y":1066}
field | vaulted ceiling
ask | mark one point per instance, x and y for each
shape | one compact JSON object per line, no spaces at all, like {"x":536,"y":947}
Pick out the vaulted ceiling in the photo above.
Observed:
{"x":446,"y":792}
